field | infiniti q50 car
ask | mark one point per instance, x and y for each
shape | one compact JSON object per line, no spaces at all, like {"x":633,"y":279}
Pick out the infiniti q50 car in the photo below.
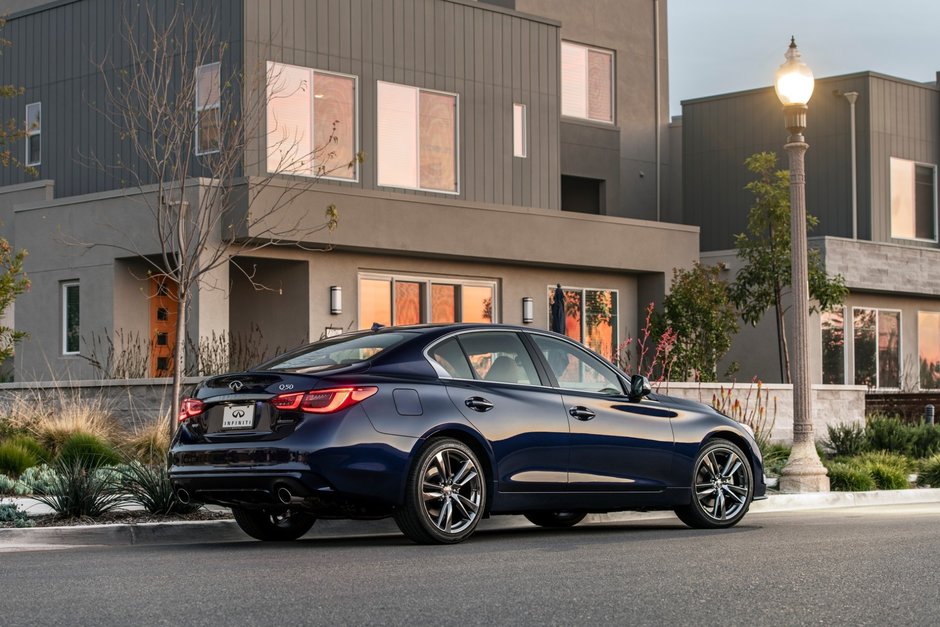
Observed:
{"x":440,"y":426}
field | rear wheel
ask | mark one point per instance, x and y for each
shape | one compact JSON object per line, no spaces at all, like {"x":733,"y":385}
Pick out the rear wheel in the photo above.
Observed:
{"x":280,"y":526}
{"x":444,"y":496}
{"x":722,"y":487}
{"x":555,"y":520}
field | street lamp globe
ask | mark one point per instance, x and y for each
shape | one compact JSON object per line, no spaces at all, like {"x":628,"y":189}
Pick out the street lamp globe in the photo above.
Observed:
{"x":794,"y":79}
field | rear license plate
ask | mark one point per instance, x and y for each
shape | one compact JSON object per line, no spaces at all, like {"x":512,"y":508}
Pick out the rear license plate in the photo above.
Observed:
{"x":238,"y":416}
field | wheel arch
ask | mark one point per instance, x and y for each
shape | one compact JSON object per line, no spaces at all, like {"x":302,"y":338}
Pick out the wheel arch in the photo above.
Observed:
{"x":741,"y":442}
{"x":477,"y":444}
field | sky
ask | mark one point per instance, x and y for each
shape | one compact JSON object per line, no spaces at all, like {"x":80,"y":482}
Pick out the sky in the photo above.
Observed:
{"x":721,"y":46}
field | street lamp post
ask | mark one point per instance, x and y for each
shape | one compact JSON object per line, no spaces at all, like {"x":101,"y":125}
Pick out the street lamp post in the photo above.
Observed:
{"x":803,"y":472}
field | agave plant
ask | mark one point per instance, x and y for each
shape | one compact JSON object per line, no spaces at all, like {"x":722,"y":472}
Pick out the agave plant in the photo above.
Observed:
{"x":150,"y":486}
{"x":77,"y":490}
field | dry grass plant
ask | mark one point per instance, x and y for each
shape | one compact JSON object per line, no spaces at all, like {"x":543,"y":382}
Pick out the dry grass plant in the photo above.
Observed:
{"x":148,"y":441}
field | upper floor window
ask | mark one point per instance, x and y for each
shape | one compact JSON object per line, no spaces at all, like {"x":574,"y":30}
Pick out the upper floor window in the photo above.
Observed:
{"x":398,"y":300}
{"x":587,"y":82}
{"x":520,"y":131}
{"x":71,"y":323}
{"x":417,"y":138}
{"x":312,"y":120}
{"x":913,"y":200}
{"x":34,"y":133}
{"x":877,"y":339}
{"x":208,"y":109}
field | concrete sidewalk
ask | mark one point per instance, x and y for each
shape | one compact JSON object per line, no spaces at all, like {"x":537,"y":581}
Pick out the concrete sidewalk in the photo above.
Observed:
{"x":39,"y":538}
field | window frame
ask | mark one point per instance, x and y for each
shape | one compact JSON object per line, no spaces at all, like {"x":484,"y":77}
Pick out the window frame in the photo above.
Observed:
{"x":65,"y":285}
{"x":919,"y":312}
{"x":878,"y":311}
{"x":417,"y":155}
{"x":32,"y":132}
{"x":845,"y":347}
{"x":427,"y":283}
{"x":613,"y":83}
{"x":915,"y":163}
{"x":356,"y":122}
{"x":523,"y":130}
{"x":584,"y":290}
{"x":199,"y":110}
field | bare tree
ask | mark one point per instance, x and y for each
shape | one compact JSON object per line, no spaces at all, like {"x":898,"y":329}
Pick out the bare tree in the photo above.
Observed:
{"x":206,"y":153}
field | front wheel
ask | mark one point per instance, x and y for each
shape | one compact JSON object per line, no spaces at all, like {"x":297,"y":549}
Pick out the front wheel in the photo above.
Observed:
{"x":722,"y":487}
{"x":555,"y":520}
{"x":445,"y":494}
{"x":273,"y":527}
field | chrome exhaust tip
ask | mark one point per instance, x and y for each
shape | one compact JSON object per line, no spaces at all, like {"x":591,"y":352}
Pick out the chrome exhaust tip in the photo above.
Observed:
{"x":183,"y":496}
{"x":284,"y":495}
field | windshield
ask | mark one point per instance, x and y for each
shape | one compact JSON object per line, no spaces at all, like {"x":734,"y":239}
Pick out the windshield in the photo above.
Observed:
{"x":337,"y":351}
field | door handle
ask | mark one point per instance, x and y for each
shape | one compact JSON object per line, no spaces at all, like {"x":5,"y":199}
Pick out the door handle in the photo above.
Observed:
{"x":581,"y":413}
{"x":478,"y":403}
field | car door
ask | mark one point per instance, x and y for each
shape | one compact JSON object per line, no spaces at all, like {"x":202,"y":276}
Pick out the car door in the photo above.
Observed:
{"x":495,"y":383}
{"x":617,"y":444}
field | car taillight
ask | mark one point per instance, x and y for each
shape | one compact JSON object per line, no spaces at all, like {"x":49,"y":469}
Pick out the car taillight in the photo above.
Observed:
{"x":189,"y":408}
{"x":324,"y":401}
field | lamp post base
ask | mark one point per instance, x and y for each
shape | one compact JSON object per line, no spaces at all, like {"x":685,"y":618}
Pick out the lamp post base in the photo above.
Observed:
{"x":804,"y":472}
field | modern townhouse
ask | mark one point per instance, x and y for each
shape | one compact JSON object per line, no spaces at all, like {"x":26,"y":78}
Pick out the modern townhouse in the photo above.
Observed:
{"x":509,"y":147}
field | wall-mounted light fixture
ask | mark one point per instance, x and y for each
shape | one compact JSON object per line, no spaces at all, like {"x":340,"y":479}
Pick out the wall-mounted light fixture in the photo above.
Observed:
{"x":528,"y":310}
{"x":336,"y":300}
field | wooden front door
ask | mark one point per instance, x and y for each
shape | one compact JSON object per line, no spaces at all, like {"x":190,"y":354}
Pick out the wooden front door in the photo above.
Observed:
{"x":164,"y":308}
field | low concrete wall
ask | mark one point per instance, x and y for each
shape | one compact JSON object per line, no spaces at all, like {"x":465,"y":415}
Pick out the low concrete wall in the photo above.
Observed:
{"x":129,"y":400}
{"x":832,"y":404}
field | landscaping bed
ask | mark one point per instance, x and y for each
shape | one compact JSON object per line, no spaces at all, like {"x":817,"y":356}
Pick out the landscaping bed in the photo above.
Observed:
{"x":109,"y":518}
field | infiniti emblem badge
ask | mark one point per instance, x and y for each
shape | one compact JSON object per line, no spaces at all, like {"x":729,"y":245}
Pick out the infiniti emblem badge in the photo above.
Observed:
{"x":236,"y":385}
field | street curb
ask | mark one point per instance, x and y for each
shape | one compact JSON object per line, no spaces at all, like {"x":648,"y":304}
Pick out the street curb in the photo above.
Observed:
{"x":190,"y":532}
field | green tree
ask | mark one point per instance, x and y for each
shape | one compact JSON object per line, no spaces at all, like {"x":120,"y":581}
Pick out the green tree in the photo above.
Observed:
{"x":12,"y":280}
{"x":699,"y":311}
{"x":764,"y":249}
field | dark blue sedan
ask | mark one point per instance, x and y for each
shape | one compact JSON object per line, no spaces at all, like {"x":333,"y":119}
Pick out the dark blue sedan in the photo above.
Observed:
{"x":441,"y":426}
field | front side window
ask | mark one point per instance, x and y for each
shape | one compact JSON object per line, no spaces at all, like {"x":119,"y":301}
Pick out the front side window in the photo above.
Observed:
{"x":417,"y":138}
{"x":877,"y":344}
{"x":590,"y":317}
{"x":34,"y":133}
{"x":587,"y":84}
{"x":312,"y":122}
{"x":71,"y":322}
{"x":833,"y":346}
{"x":401,"y":300}
{"x":499,"y":357}
{"x":913,"y":200}
{"x":576,"y":369}
{"x":928,"y":349}
{"x":208,"y":109}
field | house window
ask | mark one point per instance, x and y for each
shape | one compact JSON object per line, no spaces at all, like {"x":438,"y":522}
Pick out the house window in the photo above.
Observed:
{"x":587,"y":83}
{"x":312,"y":120}
{"x":590,"y":317}
{"x":70,"y":319}
{"x":520,"y":131}
{"x":417,"y":138}
{"x":928,"y":349}
{"x":877,"y":344}
{"x":400,"y":300}
{"x":833,"y":346}
{"x":913,"y":200}
{"x":208,"y":109}
{"x":34,"y":133}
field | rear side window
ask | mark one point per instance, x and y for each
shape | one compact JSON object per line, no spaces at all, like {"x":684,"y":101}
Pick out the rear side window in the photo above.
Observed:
{"x":499,"y":356}
{"x":339,"y":351}
{"x":450,"y":357}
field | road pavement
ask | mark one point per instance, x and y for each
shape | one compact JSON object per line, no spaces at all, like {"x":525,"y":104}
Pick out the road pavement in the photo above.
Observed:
{"x":858,"y":566}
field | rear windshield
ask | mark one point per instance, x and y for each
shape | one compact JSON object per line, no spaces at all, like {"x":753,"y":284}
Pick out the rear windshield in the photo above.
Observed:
{"x":336,"y":351}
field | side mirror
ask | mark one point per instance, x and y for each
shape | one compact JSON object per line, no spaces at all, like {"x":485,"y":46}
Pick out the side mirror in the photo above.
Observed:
{"x":639,"y":387}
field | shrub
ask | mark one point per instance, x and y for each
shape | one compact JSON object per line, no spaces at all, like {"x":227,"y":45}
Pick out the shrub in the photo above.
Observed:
{"x":887,"y":433}
{"x":846,"y":440}
{"x":888,"y":478}
{"x":930,"y":472}
{"x":54,"y":419}
{"x":88,"y":449}
{"x":775,"y":458}
{"x":14,"y":459}
{"x":150,"y":486}
{"x":150,"y":442}
{"x":78,"y":491}
{"x":926,"y":440}
{"x":849,"y":477}
{"x":11,"y":516}
{"x":35,"y":480}
{"x":30,"y":444}
{"x":7,"y":485}
{"x":894,"y":461}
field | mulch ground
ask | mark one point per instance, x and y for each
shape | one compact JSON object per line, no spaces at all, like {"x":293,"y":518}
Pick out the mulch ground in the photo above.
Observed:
{"x":115,"y":518}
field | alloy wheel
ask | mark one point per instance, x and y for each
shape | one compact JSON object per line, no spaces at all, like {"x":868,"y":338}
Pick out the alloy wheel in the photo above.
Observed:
{"x":451,"y":490}
{"x":722,"y":484}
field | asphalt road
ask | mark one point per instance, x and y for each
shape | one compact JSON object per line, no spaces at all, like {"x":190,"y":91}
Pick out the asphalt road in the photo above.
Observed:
{"x":871,"y":566}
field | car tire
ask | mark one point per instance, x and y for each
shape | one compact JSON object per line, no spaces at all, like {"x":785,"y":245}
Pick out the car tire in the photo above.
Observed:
{"x":722,"y":487}
{"x":555,"y":520}
{"x":445,"y":494}
{"x":280,"y":526}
